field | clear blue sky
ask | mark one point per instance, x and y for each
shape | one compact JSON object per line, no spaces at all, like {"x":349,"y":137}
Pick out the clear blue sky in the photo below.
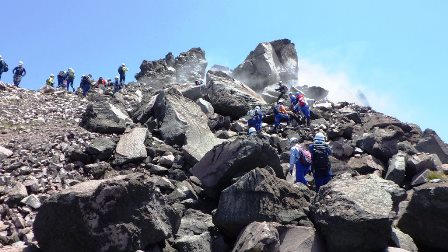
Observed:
{"x":395,"y":48}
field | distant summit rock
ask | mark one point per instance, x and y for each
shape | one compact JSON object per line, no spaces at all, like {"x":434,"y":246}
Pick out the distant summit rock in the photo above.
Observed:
{"x":187,"y":67}
{"x":221,"y":68}
{"x":269,"y":63}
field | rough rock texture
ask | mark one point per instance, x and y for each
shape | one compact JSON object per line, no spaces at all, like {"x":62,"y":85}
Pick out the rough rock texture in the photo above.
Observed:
{"x":183,"y":123}
{"x":396,"y":170}
{"x":101,"y":148}
{"x":418,"y":163}
{"x":354,"y":214}
{"x":105,"y":117}
{"x":366,"y":165}
{"x":5,"y":153}
{"x":426,"y":217}
{"x":261,"y":196}
{"x":187,"y":67}
{"x":381,"y":143}
{"x":230,"y":97}
{"x":269,"y":63}
{"x":232,"y":159}
{"x":120,"y":214}
{"x":432,"y":143}
{"x":194,"y":232}
{"x":131,"y":147}
{"x":403,"y":241}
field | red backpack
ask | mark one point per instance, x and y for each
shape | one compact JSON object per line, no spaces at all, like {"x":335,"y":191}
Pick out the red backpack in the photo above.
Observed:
{"x":301,"y":99}
{"x":305,"y":157}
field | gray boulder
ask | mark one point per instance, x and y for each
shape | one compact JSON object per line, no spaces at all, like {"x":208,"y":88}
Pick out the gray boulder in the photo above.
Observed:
{"x":105,"y":117}
{"x":233,"y":159}
{"x":426,"y":217}
{"x":230,"y":97}
{"x":260,"y":196}
{"x":403,"y":241}
{"x":269,"y":63}
{"x":205,"y":106}
{"x":5,"y":153}
{"x":119,"y":214}
{"x":131,"y":147}
{"x":418,"y":163}
{"x":431,"y":143}
{"x":396,"y":170}
{"x":366,"y":164}
{"x":183,"y":123}
{"x":355,"y":213}
{"x":194,"y":232}
{"x":381,"y":143}
{"x":187,"y":67}
{"x":101,"y":148}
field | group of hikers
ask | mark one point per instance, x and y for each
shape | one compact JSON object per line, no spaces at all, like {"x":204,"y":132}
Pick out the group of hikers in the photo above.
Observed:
{"x":65,"y":79}
{"x":313,"y":160}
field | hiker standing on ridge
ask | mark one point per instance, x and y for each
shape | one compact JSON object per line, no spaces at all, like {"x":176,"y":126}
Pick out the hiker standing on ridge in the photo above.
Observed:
{"x":117,"y":85}
{"x":320,"y":165}
{"x":85,"y":85}
{"x":61,"y":78}
{"x":282,"y":88}
{"x":70,"y":79}
{"x":122,"y":72}
{"x":19,"y":71}
{"x":301,"y":159}
{"x":3,"y":67}
{"x":50,"y":81}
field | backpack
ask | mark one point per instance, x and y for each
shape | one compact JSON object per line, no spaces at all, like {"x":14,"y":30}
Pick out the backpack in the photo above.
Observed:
{"x":71,"y":74}
{"x":305,"y":157}
{"x":301,"y":100}
{"x":320,"y":160}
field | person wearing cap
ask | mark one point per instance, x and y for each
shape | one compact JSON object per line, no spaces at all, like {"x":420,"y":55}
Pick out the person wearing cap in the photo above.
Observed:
{"x":256,"y":118}
{"x":117,"y":85}
{"x":299,"y":103}
{"x":50,"y":80}
{"x":320,"y":162}
{"x":85,"y":85}
{"x":62,"y":75}
{"x":19,"y":71}
{"x":3,"y":66}
{"x":252,"y":131}
{"x":282,"y":88}
{"x":301,"y":159}
{"x":70,"y":78}
{"x":122,"y":72}
{"x":280,"y":113}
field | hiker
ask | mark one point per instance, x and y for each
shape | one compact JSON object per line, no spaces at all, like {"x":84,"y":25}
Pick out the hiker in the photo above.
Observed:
{"x":62,"y":79}
{"x":252,"y":131}
{"x":3,"y":67}
{"x":117,"y":85}
{"x":298,"y":102}
{"x":101,"y":83}
{"x":256,"y":118}
{"x":199,"y":82}
{"x":301,"y":159}
{"x":19,"y":71}
{"x":320,"y":162}
{"x":122,"y":72}
{"x":50,"y":81}
{"x":85,"y":85}
{"x":280,"y":113}
{"x":70,"y":77}
{"x":282,"y":88}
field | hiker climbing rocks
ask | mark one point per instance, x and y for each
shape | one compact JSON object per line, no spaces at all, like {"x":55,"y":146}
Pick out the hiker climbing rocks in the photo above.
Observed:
{"x":3,"y":67}
{"x":50,"y":81}
{"x":122,"y":72}
{"x":282,"y":88}
{"x":301,"y":159}
{"x":199,"y":82}
{"x":70,"y":78}
{"x":320,"y":162}
{"x":19,"y":71}
{"x":85,"y":85}
{"x":101,"y":83}
{"x":62,"y":79}
{"x":256,"y":118}
{"x":280,"y":113}
{"x":298,"y":103}
{"x":117,"y":85}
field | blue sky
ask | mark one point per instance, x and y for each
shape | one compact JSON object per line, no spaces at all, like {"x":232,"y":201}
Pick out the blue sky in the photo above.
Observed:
{"x":394,"y":51}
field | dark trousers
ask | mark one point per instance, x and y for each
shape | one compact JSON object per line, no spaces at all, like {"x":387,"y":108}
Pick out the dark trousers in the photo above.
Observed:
{"x":280,"y":96}
{"x":122,"y":78}
{"x":70,"y":83}
{"x":17,"y":79}
{"x":1,"y":75}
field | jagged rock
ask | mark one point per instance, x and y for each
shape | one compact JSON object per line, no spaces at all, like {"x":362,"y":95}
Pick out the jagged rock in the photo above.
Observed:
{"x":232,"y":159}
{"x":105,"y":117}
{"x":260,"y":196}
{"x":407,"y":147}
{"x":431,"y":143}
{"x":192,"y":92}
{"x":97,"y":170}
{"x":418,"y":163}
{"x":187,"y":67}
{"x":396,"y":170}
{"x":5,"y":153}
{"x":144,"y":110}
{"x":17,"y":193}
{"x":273,"y":237}
{"x":420,"y":178}
{"x":131,"y":147}
{"x":354,"y":213}
{"x":120,"y":214}
{"x":426,"y":217}
{"x":167,"y":160}
{"x":366,"y":164}
{"x":194,"y":232}
{"x":341,"y":149}
{"x":403,"y":241}
{"x":230,"y":97}
{"x":205,"y":106}
{"x":269,"y":63}
{"x":183,"y":123}
{"x":101,"y":148}
{"x":31,"y":201}
{"x":381,"y":143}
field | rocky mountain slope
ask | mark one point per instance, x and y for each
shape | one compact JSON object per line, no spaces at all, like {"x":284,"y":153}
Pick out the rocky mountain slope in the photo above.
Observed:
{"x":165,"y":165}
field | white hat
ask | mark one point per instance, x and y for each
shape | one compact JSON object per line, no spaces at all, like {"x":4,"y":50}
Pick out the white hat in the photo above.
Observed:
{"x":123,"y":64}
{"x":51,"y":75}
{"x":293,"y":140}
{"x":116,"y":77}
{"x":320,"y":137}
{"x":252,"y":130}
{"x":281,"y":101}
{"x":20,"y":63}
{"x":257,"y":107}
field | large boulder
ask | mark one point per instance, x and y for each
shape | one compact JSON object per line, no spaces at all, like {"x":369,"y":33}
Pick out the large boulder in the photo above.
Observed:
{"x":425,"y":218}
{"x":105,"y":117}
{"x":131,"y":147}
{"x":356,"y":213}
{"x":195,"y":232}
{"x":381,"y":143}
{"x":366,"y":164}
{"x":230,"y":97}
{"x":187,"y":67}
{"x":269,"y":63}
{"x":5,"y":153}
{"x":402,"y":240}
{"x":273,"y":237}
{"x":418,"y":163}
{"x":101,"y":148}
{"x":125,"y":213}
{"x":396,"y":170}
{"x":183,"y":123}
{"x":261,"y":196}
{"x":233,"y":159}
{"x":431,"y":143}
